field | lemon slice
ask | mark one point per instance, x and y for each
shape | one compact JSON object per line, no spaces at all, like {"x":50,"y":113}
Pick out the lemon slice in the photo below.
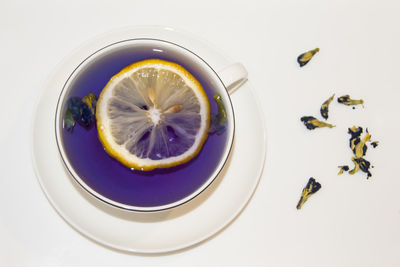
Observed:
{"x":153,"y":114}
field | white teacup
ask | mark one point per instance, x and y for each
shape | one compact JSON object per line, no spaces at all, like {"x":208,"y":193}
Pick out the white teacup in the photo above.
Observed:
{"x":109,"y":180}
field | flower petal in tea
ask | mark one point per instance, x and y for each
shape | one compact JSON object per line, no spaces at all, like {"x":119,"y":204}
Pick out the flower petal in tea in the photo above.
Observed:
{"x":218,"y":121}
{"x":82,"y":110}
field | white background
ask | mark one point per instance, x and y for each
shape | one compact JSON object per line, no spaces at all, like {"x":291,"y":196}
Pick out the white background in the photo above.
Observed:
{"x":350,"y":222}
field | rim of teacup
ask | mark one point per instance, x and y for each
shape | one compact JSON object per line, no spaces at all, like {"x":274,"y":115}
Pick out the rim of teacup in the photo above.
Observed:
{"x":91,"y":191}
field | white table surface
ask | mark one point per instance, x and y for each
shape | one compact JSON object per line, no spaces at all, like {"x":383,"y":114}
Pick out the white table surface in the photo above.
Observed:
{"x":360,"y":44}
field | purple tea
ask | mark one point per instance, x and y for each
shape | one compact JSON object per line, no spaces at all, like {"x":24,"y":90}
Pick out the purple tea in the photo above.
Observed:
{"x":110,"y":178}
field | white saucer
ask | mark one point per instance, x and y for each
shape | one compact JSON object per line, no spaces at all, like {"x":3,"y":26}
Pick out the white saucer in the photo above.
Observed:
{"x":163,"y":231}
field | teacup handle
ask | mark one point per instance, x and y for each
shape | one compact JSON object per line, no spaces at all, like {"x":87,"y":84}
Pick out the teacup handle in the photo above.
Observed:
{"x":233,"y":76}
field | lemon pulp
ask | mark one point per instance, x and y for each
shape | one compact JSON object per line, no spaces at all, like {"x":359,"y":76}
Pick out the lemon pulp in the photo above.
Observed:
{"x":153,"y":114}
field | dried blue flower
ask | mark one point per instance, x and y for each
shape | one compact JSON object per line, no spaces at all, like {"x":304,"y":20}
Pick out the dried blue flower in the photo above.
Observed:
{"x":361,"y":164}
{"x":325,"y":107}
{"x":304,"y":58}
{"x":346,"y":100}
{"x":311,"y":188}
{"x":355,"y":132}
{"x":311,"y":123}
{"x":359,"y":148}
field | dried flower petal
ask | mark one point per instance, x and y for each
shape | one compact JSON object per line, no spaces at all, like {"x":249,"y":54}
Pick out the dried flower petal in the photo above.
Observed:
{"x":375,"y":144}
{"x":311,"y":123}
{"x":343,"y":168}
{"x":304,"y":58}
{"x":325,"y":107}
{"x":346,"y":100}
{"x":361,"y":164}
{"x":311,"y":188}
{"x":361,"y":148}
